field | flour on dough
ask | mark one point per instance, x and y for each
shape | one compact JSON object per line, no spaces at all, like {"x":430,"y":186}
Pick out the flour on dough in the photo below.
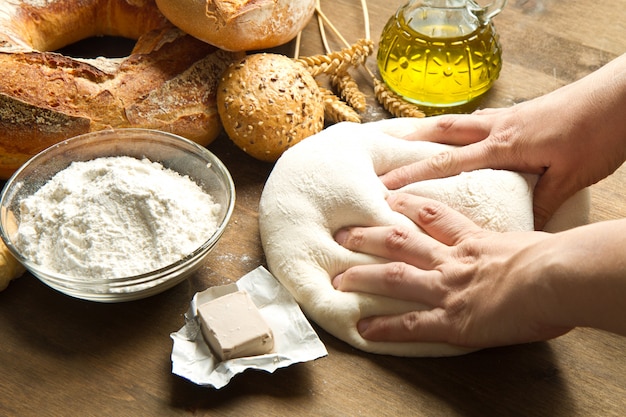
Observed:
{"x":330,"y":181}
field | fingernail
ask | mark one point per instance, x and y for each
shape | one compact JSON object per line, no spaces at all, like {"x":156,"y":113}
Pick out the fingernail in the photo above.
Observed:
{"x":337,"y":281}
{"x":363,"y":325}
{"x":340,"y":236}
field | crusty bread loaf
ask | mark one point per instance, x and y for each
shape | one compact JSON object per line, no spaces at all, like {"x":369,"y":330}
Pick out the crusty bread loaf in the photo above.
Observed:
{"x":240,"y":25}
{"x":268,"y":103}
{"x":49,"y":25}
{"x":10,"y":268}
{"x":168,"y":82}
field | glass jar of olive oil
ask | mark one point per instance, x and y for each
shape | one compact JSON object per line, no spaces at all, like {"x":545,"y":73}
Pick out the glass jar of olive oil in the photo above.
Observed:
{"x":441,"y":53}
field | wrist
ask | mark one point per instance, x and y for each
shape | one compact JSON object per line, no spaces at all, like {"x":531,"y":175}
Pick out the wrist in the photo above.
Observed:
{"x":585,"y":277}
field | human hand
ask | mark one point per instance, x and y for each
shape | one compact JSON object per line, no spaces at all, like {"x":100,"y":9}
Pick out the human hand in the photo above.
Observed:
{"x":572,"y":138}
{"x":482,"y":288}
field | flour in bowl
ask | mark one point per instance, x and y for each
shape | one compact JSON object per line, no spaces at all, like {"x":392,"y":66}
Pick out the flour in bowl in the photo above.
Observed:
{"x":114,"y":217}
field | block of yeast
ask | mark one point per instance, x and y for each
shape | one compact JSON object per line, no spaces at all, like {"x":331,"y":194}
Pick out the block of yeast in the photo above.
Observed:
{"x":233,"y":326}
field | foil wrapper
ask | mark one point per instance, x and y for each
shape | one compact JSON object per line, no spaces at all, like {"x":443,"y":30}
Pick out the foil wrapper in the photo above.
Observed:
{"x":295,"y":341}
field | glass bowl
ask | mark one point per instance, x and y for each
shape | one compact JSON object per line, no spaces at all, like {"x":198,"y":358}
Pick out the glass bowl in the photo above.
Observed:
{"x":173,"y":152}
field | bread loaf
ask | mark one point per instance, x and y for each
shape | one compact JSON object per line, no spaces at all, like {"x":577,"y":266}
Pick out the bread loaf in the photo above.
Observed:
{"x":10,"y":268}
{"x":168,"y":82}
{"x":240,"y":25}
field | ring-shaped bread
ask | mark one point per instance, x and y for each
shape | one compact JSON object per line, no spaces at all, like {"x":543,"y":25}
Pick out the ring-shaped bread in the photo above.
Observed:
{"x":330,"y":181}
{"x":168,"y":81}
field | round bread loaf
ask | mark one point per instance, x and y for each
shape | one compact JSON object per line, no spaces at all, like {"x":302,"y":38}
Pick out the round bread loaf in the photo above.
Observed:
{"x":268,"y":103}
{"x":240,"y":25}
{"x":168,"y":82}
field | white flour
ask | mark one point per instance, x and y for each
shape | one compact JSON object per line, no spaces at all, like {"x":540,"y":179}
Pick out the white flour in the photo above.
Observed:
{"x":114,"y":217}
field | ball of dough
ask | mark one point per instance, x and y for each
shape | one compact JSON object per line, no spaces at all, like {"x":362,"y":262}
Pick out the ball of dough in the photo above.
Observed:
{"x":268,"y":103}
{"x":240,"y":25}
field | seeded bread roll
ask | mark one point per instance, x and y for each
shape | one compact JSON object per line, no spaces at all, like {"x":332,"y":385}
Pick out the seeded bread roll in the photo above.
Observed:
{"x":268,"y":103}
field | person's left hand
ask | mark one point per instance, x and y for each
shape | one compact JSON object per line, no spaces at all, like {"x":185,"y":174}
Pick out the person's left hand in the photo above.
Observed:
{"x":481,"y":288}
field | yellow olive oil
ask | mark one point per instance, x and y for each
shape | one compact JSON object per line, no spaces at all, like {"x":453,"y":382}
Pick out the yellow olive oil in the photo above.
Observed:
{"x":430,"y":61}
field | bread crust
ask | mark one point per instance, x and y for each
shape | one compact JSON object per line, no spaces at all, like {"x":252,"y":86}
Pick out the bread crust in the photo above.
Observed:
{"x":168,"y":82}
{"x":268,"y":103}
{"x":240,"y":25}
{"x":32,"y":25}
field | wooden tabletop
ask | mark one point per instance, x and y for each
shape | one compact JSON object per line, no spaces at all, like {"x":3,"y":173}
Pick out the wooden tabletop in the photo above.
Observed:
{"x":61,"y":356}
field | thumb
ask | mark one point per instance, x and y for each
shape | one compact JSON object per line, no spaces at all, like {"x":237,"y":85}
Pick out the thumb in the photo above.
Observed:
{"x":549,"y":195}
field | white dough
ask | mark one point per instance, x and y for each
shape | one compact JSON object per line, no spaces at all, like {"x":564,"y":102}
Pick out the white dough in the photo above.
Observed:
{"x":330,"y":181}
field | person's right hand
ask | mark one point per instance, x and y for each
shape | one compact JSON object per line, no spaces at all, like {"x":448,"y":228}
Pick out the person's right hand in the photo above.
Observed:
{"x":572,"y":138}
{"x":480,"y":288}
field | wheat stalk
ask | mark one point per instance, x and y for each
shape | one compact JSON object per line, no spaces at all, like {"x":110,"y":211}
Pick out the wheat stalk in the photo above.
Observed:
{"x":335,"y":65}
{"x":336,"y":110}
{"x":393,"y":103}
{"x":338,"y":61}
{"x":349,"y":90}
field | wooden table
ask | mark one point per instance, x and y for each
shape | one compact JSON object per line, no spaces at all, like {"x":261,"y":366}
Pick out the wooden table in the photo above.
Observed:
{"x":61,"y":356}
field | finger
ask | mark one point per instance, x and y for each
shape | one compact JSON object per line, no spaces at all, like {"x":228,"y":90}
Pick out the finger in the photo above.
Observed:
{"x":397,"y":280}
{"x":439,"y":221}
{"x":548,"y":196}
{"x":490,"y":111}
{"x":459,"y":129}
{"x":395,"y":243}
{"x":446,"y":164}
{"x":415,"y":326}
